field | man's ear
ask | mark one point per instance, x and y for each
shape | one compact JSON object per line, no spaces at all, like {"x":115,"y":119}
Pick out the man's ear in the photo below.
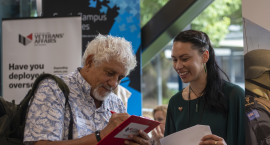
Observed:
{"x":205,"y":56}
{"x":89,"y":61}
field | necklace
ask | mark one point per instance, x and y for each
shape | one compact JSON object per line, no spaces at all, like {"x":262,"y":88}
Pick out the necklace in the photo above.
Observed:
{"x":198,"y":100}
{"x":194,"y":92}
{"x":197,"y":106}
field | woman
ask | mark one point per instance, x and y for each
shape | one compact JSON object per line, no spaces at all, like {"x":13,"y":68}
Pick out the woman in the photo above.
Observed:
{"x":208,"y":100}
{"x":159,"y":114}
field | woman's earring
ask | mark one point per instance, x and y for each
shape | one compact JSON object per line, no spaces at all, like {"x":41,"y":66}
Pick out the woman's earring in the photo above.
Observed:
{"x":204,"y":65}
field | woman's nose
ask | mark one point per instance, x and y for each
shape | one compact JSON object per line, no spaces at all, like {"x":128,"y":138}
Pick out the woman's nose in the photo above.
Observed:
{"x":178,"y":65}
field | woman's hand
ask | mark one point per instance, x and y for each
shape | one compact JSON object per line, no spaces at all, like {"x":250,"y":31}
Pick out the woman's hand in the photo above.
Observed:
{"x":157,"y":133}
{"x":212,"y":140}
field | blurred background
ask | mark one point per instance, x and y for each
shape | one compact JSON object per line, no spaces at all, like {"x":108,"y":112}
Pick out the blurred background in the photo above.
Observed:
{"x":220,"y":19}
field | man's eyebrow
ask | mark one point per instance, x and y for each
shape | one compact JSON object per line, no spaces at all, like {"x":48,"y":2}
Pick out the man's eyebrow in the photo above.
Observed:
{"x":111,"y":70}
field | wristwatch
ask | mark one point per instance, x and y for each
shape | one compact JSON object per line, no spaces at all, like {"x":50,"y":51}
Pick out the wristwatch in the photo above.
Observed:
{"x":97,"y":133}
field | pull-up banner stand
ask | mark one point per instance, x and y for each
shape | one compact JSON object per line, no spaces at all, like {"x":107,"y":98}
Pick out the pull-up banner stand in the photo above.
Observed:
{"x":33,"y":46}
{"x":256,"y":24}
{"x":115,"y":17}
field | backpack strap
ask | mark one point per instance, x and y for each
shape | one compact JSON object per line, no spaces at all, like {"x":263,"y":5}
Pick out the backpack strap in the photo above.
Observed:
{"x":257,"y":103}
{"x":61,"y":84}
{"x":31,"y":92}
{"x":263,"y":102}
{"x":261,"y":134}
{"x":258,"y":84}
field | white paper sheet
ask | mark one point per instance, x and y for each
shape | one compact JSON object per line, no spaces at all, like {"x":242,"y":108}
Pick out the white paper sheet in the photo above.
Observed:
{"x":189,"y":136}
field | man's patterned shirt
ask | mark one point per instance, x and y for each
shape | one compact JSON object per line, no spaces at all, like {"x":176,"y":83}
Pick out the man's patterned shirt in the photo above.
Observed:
{"x":48,"y":117}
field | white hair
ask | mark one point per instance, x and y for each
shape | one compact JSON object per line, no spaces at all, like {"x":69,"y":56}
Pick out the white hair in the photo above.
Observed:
{"x":106,"y":47}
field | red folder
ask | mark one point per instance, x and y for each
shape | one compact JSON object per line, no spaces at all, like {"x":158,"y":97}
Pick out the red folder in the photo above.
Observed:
{"x":132,"y":125}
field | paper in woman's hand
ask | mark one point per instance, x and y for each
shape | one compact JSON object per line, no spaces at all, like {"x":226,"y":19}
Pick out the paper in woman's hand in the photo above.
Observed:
{"x":189,"y":136}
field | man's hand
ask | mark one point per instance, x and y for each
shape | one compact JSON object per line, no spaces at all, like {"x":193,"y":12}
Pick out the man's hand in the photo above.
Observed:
{"x":141,"y":139}
{"x":115,"y":120}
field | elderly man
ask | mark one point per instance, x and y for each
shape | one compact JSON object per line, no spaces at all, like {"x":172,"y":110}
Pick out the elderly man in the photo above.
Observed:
{"x":106,"y":61}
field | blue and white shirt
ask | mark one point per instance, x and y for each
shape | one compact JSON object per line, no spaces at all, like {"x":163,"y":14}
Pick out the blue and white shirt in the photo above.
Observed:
{"x":48,"y":118}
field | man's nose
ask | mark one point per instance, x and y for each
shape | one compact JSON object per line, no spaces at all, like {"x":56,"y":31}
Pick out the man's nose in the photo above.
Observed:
{"x":113,"y":82}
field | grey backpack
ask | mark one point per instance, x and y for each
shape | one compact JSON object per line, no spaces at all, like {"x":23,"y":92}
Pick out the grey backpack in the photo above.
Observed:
{"x":13,"y":116}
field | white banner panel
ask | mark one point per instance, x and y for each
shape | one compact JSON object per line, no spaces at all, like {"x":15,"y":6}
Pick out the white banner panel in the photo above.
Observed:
{"x":38,"y":45}
{"x":257,"y":11}
{"x":255,"y":36}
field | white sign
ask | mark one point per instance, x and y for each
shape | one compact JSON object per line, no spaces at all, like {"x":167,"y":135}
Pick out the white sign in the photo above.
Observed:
{"x":189,"y":136}
{"x":257,"y":11}
{"x":35,"y":46}
{"x":132,"y":128}
{"x":256,"y":24}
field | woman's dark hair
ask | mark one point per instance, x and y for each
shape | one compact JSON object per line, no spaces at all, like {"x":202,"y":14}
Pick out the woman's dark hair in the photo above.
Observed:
{"x":214,"y":98}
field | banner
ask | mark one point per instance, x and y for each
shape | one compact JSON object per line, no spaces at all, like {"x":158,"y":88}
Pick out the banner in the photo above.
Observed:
{"x":256,"y":24}
{"x":115,"y":17}
{"x":38,"y":45}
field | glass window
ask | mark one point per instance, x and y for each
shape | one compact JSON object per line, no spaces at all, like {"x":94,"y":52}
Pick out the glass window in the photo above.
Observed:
{"x":159,"y":80}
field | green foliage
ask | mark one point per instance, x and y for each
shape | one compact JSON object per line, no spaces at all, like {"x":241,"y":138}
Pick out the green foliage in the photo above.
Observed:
{"x":214,"y":20}
{"x":217,"y":17}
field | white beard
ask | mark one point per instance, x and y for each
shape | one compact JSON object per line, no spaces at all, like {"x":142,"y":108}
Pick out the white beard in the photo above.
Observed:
{"x":98,"y":96}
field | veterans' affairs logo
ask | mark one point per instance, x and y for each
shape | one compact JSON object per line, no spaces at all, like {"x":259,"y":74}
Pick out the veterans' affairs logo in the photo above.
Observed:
{"x":40,"y":38}
{"x":25,"y":40}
